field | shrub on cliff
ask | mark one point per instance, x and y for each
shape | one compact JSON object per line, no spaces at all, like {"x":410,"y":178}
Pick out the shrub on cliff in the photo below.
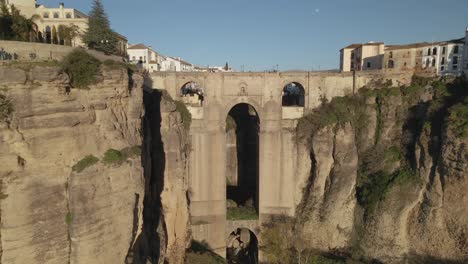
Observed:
{"x":200,"y":253}
{"x":113,"y":156}
{"x":458,"y":119}
{"x":81,"y":67}
{"x":6,"y":108}
{"x":86,"y":162}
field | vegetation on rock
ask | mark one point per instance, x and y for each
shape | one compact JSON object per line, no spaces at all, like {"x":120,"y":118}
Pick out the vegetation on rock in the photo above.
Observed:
{"x":68,"y":218}
{"x":6,"y":108}
{"x":282,"y":243}
{"x":86,"y":162}
{"x":113,"y":157}
{"x":241,"y":213}
{"x":81,"y":67}
{"x":458,"y":119}
{"x":131,"y":152}
{"x":200,"y":253}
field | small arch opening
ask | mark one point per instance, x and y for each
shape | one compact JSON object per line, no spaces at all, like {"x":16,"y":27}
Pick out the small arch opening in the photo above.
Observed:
{"x":192,"y":94}
{"x":242,"y":247}
{"x":293,"y":95}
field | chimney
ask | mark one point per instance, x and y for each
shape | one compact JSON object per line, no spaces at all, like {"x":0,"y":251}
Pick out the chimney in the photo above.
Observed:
{"x":61,"y":5}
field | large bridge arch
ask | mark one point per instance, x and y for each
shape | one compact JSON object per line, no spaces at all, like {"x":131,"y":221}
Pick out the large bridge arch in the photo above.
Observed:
{"x":280,"y":178}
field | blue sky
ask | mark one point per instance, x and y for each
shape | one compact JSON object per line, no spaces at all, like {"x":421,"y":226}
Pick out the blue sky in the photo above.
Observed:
{"x":259,"y":34}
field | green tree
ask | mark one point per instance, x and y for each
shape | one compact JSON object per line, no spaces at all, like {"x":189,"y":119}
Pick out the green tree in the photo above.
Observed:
{"x":99,"y":35}
{"x":68,"y":33}
{"x":14,"y":26}
{"x":6,"y":22}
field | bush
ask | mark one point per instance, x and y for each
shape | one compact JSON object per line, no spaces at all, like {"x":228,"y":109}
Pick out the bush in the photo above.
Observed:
{"x":458,"y":119}
{"x":393,"y":154}
{"x":199,"y":253}
{"x":241,"y":213}
{"x":372,"y":189}
{"x":6,"y":108}
{"x":112,"y":157}
{"x":86,"y":162}
{"x":115,"y":65}
{"x":68,"y":218}
{"x":81,"y":67}
{"x":131,"y":152}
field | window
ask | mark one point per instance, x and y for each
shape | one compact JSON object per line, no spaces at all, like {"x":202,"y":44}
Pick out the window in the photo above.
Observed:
{"x":455,"y":50}
{"x":352,"y":55}
{"x":428,"y":62}
{"x":455,"y":67}
{"x":428,"y":52}
{"x":391,"y":64}
{"x":368,"y":65}
{"x":442,"y":68}
{"x":45,"y":15}
{"x":141,"y":58}
{"x":433,"y":62}
{"x":68,"y":15}
{"x":390,"y":55}
{"x":434,"y":51}
{"x":443,"y":60}
{"x":56,"y":15}
{"x":455,"y":60}
{"x":352,"y":65}
{"x":444,"y":50}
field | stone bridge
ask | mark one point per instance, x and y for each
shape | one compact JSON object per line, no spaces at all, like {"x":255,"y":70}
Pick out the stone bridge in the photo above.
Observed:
{"x":211,"y":97}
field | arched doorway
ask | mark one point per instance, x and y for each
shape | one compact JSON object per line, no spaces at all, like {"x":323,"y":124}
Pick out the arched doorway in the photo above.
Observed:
{"x":293,"y":95}
{"x":48,"y":35}
{"x":242,"y":247}
{"x":242,"y":129}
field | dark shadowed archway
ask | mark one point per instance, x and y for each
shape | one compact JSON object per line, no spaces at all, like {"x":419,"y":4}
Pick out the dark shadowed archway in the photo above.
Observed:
{"x":242,"y":128}
{"x":242,"y":247}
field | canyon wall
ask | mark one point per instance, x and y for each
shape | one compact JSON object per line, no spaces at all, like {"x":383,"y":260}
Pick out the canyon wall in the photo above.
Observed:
{"x":87,"y":175}
{"x":383,"y":176}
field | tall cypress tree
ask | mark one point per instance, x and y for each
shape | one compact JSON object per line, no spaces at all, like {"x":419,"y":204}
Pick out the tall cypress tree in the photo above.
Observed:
{"x":99,"y":35}
{"x":6,"y":22}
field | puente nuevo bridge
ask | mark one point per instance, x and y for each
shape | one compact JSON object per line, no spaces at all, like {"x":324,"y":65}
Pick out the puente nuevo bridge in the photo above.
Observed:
{"x":267,"y":107}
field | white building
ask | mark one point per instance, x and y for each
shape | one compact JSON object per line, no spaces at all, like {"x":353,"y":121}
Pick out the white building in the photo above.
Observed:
{"x":465,"y":57}
{"x":174,"y":64}
{"x":362,"y":57}
{"x":144,"y":55}
{"x":49,"y":20}
{"x":444,"y":58}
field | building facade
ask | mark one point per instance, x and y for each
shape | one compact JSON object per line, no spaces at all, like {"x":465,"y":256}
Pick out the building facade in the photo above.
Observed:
{"x":143,"y":55}
{"x":362,"y":57}
{"x":49,"y":22}
{"x":465,"y":55}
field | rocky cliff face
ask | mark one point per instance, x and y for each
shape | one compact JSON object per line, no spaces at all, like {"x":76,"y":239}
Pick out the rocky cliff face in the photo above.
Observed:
{"x":387,"y":176}
{"x":87,"y":175}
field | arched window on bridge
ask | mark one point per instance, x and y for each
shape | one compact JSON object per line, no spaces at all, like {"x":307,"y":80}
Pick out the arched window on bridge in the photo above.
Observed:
{"x":293,"y":95}
{"x":242,"y":247}
{"x":192,"y":94}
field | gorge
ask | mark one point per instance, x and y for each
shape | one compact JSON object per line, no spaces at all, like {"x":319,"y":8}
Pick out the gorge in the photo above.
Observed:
{"x":369,"y":168}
